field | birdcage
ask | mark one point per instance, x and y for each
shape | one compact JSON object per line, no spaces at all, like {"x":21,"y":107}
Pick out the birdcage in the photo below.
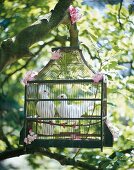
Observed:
{"x":64,"y":107}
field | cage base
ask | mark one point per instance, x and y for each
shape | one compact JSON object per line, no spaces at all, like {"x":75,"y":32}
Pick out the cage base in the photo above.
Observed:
{"x":66,"y":143}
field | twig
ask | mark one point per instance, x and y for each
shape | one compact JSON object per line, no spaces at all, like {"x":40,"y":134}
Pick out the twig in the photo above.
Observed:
{"x":87,"y":64}
{"x":89,"y":52}
{"x":119,"y":14}
{"x":66,"y":125}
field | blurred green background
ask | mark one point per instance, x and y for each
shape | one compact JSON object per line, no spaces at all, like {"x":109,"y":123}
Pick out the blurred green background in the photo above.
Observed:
{"x":107,"y":42}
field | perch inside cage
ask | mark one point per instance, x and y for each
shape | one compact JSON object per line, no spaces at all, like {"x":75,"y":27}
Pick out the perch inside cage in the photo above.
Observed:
{"x":64,"y":108}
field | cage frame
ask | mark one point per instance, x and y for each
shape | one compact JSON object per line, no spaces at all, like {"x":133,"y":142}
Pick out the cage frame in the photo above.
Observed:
{"x":45,"y":143}
{"x":105,"y":135}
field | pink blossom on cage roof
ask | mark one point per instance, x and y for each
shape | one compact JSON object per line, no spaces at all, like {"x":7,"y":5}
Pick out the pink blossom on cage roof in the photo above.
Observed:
{"x":75,"y":14}
{"x":56,"y":55}
{"x":97,"y":77}
{"x":29,"y":76}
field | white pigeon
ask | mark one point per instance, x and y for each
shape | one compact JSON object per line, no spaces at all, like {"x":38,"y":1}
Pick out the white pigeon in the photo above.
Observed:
{"x":66,"y":110}
{"x":48,"y":129}
{"x":45,"y":109}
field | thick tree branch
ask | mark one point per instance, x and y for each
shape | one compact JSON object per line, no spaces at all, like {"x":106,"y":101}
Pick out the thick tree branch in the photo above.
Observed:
{"x":12,"y":153}
{"x":18,"y":47}
{"x":57,"y":38}
{"x":64,"y":160}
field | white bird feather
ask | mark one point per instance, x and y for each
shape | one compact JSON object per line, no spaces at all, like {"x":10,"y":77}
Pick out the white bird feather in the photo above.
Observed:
{"x":48,"y":129}
{"x":45,"y":109}
{"x":66,"y":110}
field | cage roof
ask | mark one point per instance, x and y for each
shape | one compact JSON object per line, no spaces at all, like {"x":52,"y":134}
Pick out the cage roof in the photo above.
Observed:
{"x":71,"y":65}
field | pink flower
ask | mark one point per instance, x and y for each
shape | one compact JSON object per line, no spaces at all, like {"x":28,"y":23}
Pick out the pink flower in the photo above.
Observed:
{"x":31,"y":133}
{"x":75,"y":14}
{"x":29,"y":76}
{"x":35,"y":136}
{"x":56,"y":55}
{"x":30,"y":137}
{"x":97,"y":77}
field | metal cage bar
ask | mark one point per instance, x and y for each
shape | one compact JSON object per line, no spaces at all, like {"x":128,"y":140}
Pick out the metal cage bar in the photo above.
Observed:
{"x":87,"y":132}
{"x":76,"y":117}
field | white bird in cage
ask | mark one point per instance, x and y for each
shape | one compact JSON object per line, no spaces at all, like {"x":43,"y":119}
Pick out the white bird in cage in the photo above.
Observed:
{"x":66,"y":110}
{"x":45,"y":109}
{"x":48,"y":129}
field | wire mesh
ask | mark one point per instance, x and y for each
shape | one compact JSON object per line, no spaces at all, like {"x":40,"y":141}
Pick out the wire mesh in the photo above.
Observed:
{"x":69,"y":66}
{"x":65,"y":109}
{"x":63,"y":106}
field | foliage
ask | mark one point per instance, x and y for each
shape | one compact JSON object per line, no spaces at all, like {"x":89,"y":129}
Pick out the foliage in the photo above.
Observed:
{"x":107,"y":46}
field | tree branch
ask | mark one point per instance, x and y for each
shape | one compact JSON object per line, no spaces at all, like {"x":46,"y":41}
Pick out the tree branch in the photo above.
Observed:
{"x":119,"y":14}
{"x":64,"y":160}
{"x":73,"y":35}
{"x":18,"y":47}
{"x":27,"y":62}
